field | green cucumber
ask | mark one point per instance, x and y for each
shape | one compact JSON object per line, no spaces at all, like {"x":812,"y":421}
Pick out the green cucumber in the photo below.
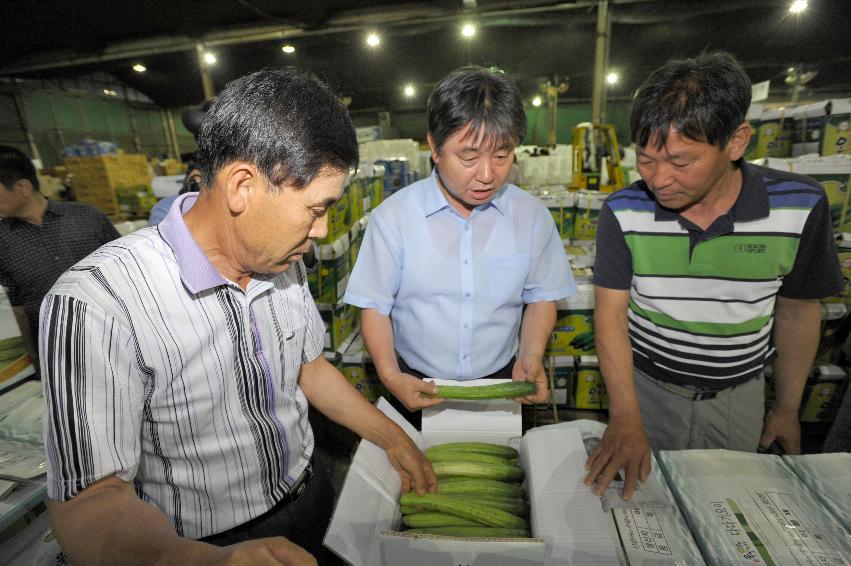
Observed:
{"x":504,"y":471}
{"x":435,"y":519}
{"x":460,"y":456}
{"x":479,"y":512}
{"x":508,"y":390}
{"x":514,"y":505}
{"x":477,"y":447}
{"x":471,"y":532}
{"x":478,"y":486}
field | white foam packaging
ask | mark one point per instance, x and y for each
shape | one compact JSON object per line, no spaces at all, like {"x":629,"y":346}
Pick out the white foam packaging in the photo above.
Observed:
{"x":567,"y":520}
{"x":829,"y":477}
{"x":747,"y":508}
{"x":651,"y":529}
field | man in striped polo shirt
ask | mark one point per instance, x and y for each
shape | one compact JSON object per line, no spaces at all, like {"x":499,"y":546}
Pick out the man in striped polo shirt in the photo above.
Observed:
{"x":179,"y":361}
{"x":704,"y":268}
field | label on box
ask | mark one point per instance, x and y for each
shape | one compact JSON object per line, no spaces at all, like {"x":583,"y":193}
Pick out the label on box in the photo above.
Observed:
{"x":641,"y":532}
{"x":573,"y":334}
{"x":805,"y":543}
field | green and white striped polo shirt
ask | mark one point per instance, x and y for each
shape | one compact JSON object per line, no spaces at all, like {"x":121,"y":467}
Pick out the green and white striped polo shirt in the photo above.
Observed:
{"x":702,"y":302}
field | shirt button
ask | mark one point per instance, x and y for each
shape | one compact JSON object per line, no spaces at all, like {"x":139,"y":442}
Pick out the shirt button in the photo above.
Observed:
{"x":466,"y":261}
{"x":466,"y":356}
{"x":466,"y":294}
{"x":466,"y":326}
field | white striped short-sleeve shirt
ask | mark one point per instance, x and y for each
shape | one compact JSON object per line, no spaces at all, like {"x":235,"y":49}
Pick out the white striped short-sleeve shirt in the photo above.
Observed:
{"x":158,"y":370}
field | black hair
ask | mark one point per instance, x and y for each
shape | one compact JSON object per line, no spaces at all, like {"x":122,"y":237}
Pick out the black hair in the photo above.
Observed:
{"x":14,"y":166}
{"x":287,"y":122}
{"x":704,"y":99}
{"x":483,"y":98}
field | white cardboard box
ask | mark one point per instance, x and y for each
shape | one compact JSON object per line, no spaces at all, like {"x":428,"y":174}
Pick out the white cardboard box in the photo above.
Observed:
{"x":566,"y":518}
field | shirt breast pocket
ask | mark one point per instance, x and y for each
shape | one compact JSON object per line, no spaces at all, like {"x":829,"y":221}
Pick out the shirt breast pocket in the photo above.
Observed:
{"x":507,"y":276}
{"x":291,"y":343}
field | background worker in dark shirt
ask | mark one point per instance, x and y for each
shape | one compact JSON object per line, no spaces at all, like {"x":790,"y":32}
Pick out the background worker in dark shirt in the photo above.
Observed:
{"x":39,"y":239}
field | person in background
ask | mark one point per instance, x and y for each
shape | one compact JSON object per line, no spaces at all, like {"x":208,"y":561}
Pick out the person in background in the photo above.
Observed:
{"x":704,"y":267}
{"x":190,"y":184}
{"x":39,"y":239}
{"x":179,"y":362}
{"x":192,"y":120}
{"x":453,"y":266}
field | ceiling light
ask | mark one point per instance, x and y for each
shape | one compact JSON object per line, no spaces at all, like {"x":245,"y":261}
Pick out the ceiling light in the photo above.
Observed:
{"x":409,"y":90}
{"x":288,"y":48}
{"x":139,"y":68}
{"x":536,"y":101}
{"x":612,"y":78}
{"x":468,"y":30}
{"x":798,"y":6}
{"x":209,"y":58}
{"x":109,"y":92}
{"x":373,"y":40}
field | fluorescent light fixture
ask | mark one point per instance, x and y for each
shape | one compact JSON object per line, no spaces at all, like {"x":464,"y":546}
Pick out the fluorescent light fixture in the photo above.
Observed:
{"x":469,"y":30}
{"x":209,"y":58}
{"x":109,"y":92}
{"x":288,"y":49}
{"x":536,"y":101}
{"x":612,"y":78}
{"x":373,"y":40}
{"x":139,"y":68}
{"x":409,"y":90}
{"x":798,"y":6}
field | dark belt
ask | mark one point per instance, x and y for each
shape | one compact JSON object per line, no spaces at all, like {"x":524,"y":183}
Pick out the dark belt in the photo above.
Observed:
{"x":693,"y":393}
{"x":298,"y":488}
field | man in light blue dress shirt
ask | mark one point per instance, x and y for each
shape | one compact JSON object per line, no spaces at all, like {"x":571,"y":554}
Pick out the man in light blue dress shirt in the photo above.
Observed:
{"x":453,"y":266}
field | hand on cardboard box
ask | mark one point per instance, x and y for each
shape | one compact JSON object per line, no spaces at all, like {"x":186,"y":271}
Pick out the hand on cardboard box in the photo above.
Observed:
{"x":623,"y":446}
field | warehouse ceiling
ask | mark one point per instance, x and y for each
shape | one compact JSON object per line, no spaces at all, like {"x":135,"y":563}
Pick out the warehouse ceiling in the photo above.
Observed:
{"x":420,"y":41}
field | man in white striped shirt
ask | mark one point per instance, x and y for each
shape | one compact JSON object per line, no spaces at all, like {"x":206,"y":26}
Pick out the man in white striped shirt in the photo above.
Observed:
{"x":179,"y":361}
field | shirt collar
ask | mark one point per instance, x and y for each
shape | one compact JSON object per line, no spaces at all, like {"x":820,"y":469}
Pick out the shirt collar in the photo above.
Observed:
{"x":51,"y":210}
{"x":751,"y":204}
{"x":435,"y":200}
{"x":196,"y":271}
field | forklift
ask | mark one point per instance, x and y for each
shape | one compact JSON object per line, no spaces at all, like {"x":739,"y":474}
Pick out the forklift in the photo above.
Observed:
{"x":596,"y":158}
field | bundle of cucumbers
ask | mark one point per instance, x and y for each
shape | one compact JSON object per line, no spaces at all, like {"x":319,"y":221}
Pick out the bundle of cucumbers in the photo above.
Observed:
{"x":479,"y":493}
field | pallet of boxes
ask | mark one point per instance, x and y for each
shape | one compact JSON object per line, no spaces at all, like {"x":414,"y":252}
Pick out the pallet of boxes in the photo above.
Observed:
{"x":119,"y":185}
{"x":336,"y":257}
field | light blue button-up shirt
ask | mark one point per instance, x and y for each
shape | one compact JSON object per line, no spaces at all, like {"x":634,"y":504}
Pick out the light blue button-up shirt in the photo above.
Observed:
{"x":455,"y":287}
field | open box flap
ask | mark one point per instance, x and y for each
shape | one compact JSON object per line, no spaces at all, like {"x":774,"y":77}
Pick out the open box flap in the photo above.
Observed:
{"x":369,"y":501}
{"x":564,"y":511}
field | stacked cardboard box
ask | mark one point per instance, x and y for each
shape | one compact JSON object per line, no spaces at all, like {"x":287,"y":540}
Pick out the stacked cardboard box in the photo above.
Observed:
{"x":169,"y":167}
{"x":357,"y":367}
{"x":347,"y":221}
{"x":754,"y":509}
{"x":116,"y":184}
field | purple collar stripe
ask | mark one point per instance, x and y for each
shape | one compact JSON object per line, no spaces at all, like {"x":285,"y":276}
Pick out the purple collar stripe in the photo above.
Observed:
{"x":196,"y":271}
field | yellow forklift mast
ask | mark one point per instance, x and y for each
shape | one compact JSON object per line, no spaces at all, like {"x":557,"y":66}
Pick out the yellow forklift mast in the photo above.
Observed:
{"x":596,"y":158}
